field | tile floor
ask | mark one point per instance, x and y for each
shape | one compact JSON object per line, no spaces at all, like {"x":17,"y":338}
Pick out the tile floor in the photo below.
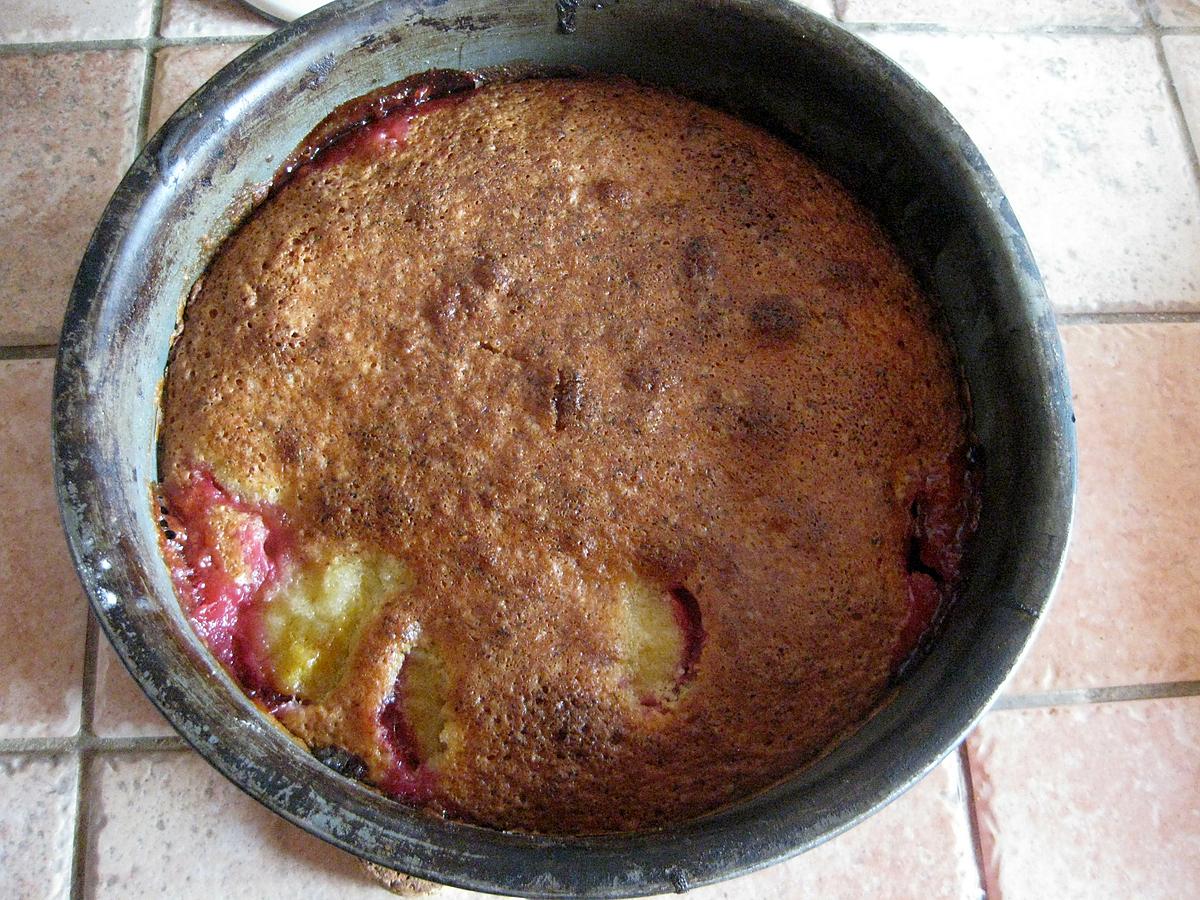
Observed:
{"x":1084,"y":781}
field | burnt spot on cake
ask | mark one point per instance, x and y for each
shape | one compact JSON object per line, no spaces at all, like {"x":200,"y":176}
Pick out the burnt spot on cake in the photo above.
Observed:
{"x":699,"y":259}
{"x":467,"y":292}
{"x":393,"y":504}
{"x":489,"y":273}
{"x":755,"y":416}
{"x":608,"y":192}
{"x":496,"y":350}
{"x":420,"y":211}
{"x":758,"y":421}
{"x":341,"y":761}
{"x":669,"y":563}
{"x":289,"y":446}
{"x":446,"y":310}
{"x":845,"y":273}
{"x":650,"y":377}
{"x":776,"y":319}
{"x":339,"y":507}
{"x":387,"y":444}
{"x":579,"y":734}
{"x":568,"y":399}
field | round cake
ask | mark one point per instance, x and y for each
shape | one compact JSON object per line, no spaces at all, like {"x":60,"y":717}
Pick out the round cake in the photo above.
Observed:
{"x":562,"y":455}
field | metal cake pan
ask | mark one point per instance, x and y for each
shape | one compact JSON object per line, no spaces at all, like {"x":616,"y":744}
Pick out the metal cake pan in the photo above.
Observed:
{"x":824,"y":90}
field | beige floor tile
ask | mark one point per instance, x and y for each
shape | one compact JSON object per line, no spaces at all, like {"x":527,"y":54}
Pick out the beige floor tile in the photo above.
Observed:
{"x":1082,"y":136}
{"x":121,"y":709}
{"x":1128,"y":609}
{"x":1090,"y":801}
{"x":210,"y":18}
{"x":920,"y":846}
{"x":36,"y":21}
{"x":69,"y":126}
{"x":180,"y":71}
{"x":1175,"y":12}
{"x":1013,"y":14}
{"x":42,"y":611}
{"x":1183,"y":56}
{"x":37,"y":825}
{"x":168,"y":825}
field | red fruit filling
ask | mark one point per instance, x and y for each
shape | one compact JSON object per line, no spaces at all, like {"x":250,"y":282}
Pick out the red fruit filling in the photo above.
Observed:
{"x":371,"y":123}
{"x":384,"y":133}
{"x":409,"y":777}
{"x":944,"y":511}
{"x":223,"y":553}
{"x":687,"y":617}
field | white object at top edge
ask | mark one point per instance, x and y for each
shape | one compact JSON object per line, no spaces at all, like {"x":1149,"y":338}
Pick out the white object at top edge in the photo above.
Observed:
{"x":285,"y":10}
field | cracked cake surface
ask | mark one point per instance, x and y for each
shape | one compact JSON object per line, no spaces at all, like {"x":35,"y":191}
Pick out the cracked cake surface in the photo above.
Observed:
{"x":570,"y":457}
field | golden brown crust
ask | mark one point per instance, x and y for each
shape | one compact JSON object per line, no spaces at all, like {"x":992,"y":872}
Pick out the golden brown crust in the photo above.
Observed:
{"x":570,"y":330}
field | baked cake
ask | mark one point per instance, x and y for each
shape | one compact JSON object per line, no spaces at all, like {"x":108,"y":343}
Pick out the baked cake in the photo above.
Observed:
{"x":562,"y":455}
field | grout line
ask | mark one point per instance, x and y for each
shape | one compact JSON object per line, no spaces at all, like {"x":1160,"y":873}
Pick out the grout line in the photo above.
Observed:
{"x":79,"y":852}
{"x":933,"y":28}
{"x":156,"y":17}
{"x":28,"y":351}
{"x":211,"y":40}
{"x":138,"y":744}
{"x":87,"y":708}
{"x":1156,"y":33}
{"x":144,"y":102}
{"x":146,"y":43}
{"x":38,"y":746}
{"x":147,"y":90}
{"x":47,"y":47}
{"x":1126,"y":318}
{"x":1116,"y":694}
{"x":964,"y":767}
{"x":89,"y":744}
